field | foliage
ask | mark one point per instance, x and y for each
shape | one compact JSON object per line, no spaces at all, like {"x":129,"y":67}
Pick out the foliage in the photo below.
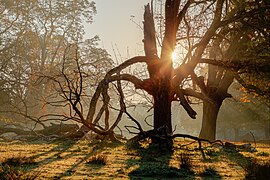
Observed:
{"x":38,"y":38}
{"x":237,"y":118}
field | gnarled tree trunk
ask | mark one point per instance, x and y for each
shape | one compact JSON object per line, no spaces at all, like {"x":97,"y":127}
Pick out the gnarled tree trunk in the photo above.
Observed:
{"x":165,"y":82}
{"x":162,"y":110}
{"x":209,"y":120}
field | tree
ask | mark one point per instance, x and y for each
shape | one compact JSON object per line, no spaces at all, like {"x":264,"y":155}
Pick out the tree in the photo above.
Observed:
{"x":245,"y":44}
{"x":222,"y":42}
{"x":164,"y":83}
{"x":34,"y":36}
{"x":243,"y":115}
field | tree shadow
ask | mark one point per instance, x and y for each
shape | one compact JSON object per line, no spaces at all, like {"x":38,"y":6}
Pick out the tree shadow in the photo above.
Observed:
{"x":253,"y":168}
{"x":62,"y":146}
{"x":210,"y":173}
{"x":154,"y":162}
{"x":23,"y":164}
{"x":97,"y":147}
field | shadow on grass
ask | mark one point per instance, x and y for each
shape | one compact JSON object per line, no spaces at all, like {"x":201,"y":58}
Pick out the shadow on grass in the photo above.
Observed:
{"x":97,"y":147}
{"x":253,"y":168}
{"x":17,"y":168}
{"x":210,"y":173}
{"x":62,"y":146}
{"x":154,"y":162}
{"x":62,"y":149}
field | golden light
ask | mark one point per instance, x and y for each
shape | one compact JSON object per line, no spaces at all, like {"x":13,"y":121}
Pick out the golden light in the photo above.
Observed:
{"x":174,"y":56}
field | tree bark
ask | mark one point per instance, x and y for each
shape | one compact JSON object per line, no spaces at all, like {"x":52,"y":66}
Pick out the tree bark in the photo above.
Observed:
{"x":267,"y":131}
{"x":160,"y":69}
{"x":236,"y":134}
{"x":162,"y":110}
{"x":209,"y":120}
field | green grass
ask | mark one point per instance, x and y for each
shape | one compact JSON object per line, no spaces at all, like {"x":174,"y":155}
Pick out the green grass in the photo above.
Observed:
{"x":107,"y":160}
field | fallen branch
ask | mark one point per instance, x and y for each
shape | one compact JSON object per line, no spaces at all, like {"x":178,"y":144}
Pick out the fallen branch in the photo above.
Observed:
{"x":199,"y":140}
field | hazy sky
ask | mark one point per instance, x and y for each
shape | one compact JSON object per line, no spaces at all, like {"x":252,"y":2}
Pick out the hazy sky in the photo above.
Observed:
{"x":114,"y":26}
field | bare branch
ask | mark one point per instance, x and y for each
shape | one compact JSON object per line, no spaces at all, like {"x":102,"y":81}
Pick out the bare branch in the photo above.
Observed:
{"x":184,"y":103}
{"x":150,"y":47}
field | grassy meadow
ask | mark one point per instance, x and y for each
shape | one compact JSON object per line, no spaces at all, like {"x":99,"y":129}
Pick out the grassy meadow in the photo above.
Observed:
{"x":66,"y":159}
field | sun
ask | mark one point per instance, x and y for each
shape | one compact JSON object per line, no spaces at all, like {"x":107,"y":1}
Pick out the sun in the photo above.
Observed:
{"x":174,"y":56}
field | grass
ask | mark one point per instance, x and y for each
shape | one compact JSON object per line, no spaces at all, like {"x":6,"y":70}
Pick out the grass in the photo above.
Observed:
{"x":107,"y":160}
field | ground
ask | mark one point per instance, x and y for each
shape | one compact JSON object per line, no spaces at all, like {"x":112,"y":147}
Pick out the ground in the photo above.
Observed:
{"x":66,"y":159}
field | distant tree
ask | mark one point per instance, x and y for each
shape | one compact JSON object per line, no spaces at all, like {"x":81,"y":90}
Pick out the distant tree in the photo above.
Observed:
{"x":243,"y":46}
{"x":33,"y":38}
{"x":243,"y":115}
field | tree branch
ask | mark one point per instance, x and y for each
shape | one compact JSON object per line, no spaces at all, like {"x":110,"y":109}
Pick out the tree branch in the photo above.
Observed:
{"x":184,"y":103}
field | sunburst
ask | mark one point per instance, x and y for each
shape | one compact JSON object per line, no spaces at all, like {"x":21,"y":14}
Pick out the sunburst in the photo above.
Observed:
{"x":174,"y":56}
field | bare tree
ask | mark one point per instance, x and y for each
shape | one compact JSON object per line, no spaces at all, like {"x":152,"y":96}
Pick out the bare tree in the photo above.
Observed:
{"x":166,"y":83}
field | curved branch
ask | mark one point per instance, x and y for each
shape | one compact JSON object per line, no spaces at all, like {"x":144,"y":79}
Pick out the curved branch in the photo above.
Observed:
{"x":106,"y":99}
{"x":244,"y":65}
{"x":122,"y":105}
{"x":191,"y":92}
{"x":186,"y":69}
{"x":184,"y":103}
{"x":129,"y":62}
{"x":139,"y":84}
{"x":108,"y":78}
{"x":249,"y":87}
{"x":182,"y":13}
{"x":199,"y":81}
{"x":199,"y":140}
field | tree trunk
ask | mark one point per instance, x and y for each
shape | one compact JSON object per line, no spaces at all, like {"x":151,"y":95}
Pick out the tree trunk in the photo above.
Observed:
{"x":162,"y":111}
{"x":267,"y":131}
{"x":209,"y":120}
{"x":236,"y":134}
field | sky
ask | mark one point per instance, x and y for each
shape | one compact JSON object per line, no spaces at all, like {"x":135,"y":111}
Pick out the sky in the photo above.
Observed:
{"x":113,"y":24}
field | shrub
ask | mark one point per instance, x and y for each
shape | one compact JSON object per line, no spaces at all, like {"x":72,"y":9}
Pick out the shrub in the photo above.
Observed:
{"x":263,"y":154}
{"x":185,"y":160}
{"x":97,"y":160}
{"x":16,"y":168}
{"x":258,"y":171}
{"x":19,"y":161}
{"x":210,"y":173}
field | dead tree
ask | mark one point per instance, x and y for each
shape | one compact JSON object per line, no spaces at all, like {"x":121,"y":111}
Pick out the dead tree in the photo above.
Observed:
{"x":164,"y":82}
